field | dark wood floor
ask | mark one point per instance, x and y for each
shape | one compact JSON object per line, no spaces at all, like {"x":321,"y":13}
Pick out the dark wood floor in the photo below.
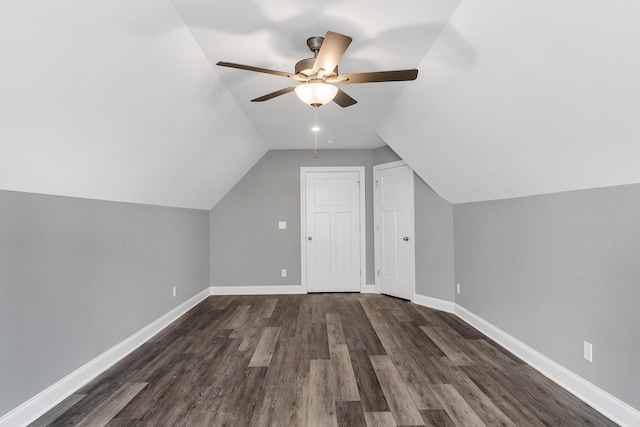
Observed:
{"x":320,"y":360}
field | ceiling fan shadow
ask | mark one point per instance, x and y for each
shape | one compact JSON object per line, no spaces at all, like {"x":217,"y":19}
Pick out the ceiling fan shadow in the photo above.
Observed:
{"x":236,"y":17}
{"x":292,"y":42}
{"x":463,"y":52}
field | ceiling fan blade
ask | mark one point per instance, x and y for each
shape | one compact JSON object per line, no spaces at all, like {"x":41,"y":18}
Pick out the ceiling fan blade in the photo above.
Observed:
{"x":333,"y":47}
{"x":274,"y":94}
{"x":343,"y":100}
{"x":258,"y":70}
{"x":379,"y":76}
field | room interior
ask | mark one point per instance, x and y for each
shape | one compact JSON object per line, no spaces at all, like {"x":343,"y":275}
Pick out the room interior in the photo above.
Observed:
{"x":137,"y":177}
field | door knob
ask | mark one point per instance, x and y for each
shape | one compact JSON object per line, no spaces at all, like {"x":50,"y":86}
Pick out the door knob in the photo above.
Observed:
{"x":309,"y":238}
{"x":405,"y":238}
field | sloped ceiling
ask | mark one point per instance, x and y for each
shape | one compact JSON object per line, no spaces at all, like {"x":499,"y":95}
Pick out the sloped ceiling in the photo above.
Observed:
{"x":120,"y":100}
{"x":114,"y":100}
{"x":523,"y":98}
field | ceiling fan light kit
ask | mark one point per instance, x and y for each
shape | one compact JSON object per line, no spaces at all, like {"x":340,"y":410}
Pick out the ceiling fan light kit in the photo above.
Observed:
{"x":318,"y":74}
{"x":316,"y":94}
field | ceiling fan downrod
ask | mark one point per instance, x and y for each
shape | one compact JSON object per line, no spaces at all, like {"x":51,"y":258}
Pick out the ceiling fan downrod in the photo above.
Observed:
{"x":315,"y":43}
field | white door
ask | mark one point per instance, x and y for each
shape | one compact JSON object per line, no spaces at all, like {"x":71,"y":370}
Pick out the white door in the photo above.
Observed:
{"x":394,"y":229}
{"x":331,"y":231}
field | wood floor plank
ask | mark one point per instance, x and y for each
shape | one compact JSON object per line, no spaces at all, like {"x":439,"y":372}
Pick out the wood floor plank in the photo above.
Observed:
{"x":291,"y":358}
{"x":160,"y":362}
{"x":335,"y":333}
{"x":460,"y":326}
{"x":481,"y":404}
{"x":322,"y":410}
{"x":457,"y":356}
{"x":457,"y":408}
{"x":379,"y":419}
{"x":200,"y":309}
{"x":251,"y":338}
{"x":414,"y":380}
{"x":266,"y":307}
{"x":151,"y":398}
{"x":303,"y":325}
{"x":244,"y":396}
{"x":495,"y":354}
{"x":264,"y":350}
{"x":438,"y":418}
{"x":514,"y":386}
{"x":349,"y":414}
{"x":284,"y":404}
{"x":579,"y":410}
{"x":319,"y":341}
{"x":379,"y":326}
{"x":371,"y":393}
{"x":286,"y":386}
{"x":360,"y":335}
{"x":237,"y":318}
{"x":342,"y":370}
{"x":108,"y":409}
{"x":321,"y":359}
{"x":399,"y":400}
{"x":414,"y":337}
{"x":57,"y":410}
{"x":318,"y":313}
{"x":285,"y":315}
{"x":250,"y":319}
{"x":518,"y":413}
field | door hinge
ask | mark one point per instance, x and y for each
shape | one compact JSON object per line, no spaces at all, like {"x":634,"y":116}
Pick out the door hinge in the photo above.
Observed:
{"x":378,"y":272}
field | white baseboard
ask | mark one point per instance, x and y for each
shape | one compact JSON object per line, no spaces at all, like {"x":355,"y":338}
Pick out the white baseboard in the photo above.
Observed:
{"x":368,"y":289}
{"x":272,"y":290}
{"x":435,"y":303}
{"x":257,"y":290}
{"x":605,"y":403}
{"x":35,"y":407}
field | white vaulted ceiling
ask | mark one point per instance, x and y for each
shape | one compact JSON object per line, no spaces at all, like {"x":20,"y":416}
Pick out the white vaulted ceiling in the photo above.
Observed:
{"x":525,"y":97}
{"x":114,"y":100}
{"x":121,"y":100}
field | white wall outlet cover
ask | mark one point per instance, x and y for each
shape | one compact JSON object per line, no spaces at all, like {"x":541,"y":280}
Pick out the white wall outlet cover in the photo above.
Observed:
{"x":282,"y":225}
{"x":458,"y":287}
{"x":174,"y":291}
{"x":284,"y":273}
{"x":588,"y":352}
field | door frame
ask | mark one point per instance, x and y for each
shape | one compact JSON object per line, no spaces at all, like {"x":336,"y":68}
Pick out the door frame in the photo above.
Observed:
{"x":303,"y":216}
{"x":376,"y":223}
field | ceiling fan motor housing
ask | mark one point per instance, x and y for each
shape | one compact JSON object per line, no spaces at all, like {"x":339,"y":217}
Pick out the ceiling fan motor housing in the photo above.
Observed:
{"x":305,"y":67}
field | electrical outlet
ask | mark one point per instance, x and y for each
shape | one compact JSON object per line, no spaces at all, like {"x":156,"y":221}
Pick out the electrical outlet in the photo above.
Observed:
{"x":284,"y":272}
{"x":588,"y":352}
{"x":282,"y":225}
{"x":458,"y":287}
{"x":175,"y":291}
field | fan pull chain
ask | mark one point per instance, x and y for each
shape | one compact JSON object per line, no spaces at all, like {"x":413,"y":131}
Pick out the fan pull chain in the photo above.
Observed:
{"x":315,"y":132}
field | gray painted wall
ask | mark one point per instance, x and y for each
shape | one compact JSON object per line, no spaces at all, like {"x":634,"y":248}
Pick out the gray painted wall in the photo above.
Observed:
{"x":435,"y":271}
{"x":556,"y":270}
{"x":78,"y":276}
{"x":383,"y":155}
{"x":247,"y":248}
{"x":433,"y":233}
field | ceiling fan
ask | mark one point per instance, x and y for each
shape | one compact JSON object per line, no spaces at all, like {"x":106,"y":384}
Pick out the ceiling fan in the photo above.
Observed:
{"x":319,"y":74}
